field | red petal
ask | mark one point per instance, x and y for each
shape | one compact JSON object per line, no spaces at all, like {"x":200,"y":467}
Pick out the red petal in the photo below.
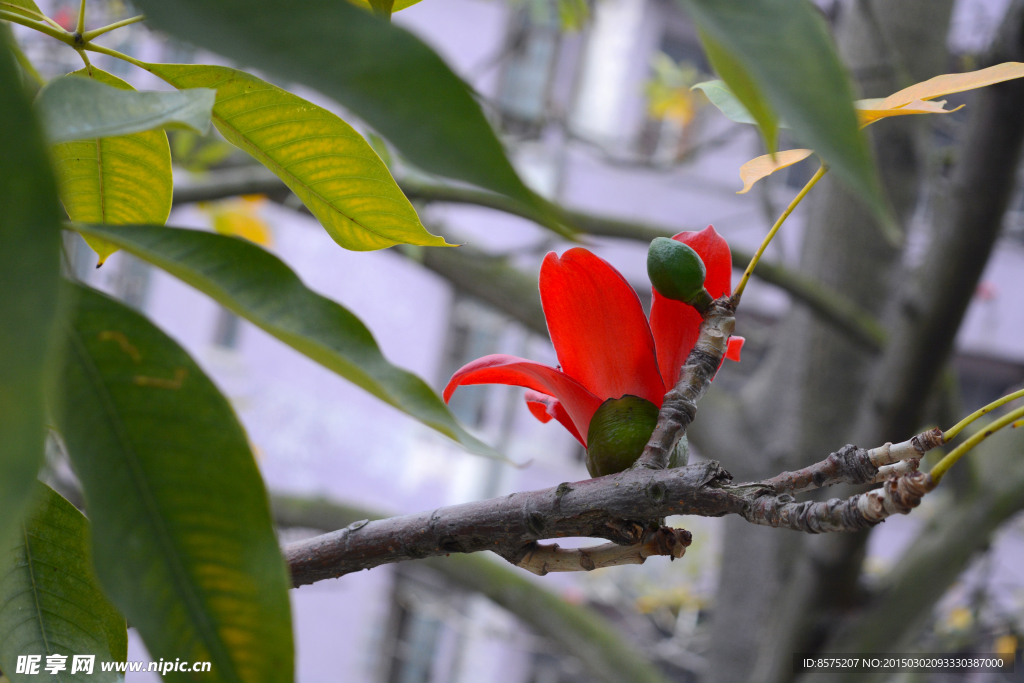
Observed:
{"x":598,"y":327}
{"x":540,"y":405}
{"x":676,"y":325}
{"x":578,"y":403}
{"x":545,"y":407}
{"x":733,"y":350}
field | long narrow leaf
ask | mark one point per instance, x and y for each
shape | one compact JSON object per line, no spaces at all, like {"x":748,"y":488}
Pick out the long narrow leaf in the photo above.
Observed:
{"x":259,"y":287}
{"x":50,"y":601}
{"x":324,"y":161}
{"x":182,"y":535}
{"x":29,"y":277}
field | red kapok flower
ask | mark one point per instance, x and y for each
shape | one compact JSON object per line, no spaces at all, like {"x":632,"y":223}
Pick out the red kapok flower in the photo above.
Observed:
{"x":605,"y":347}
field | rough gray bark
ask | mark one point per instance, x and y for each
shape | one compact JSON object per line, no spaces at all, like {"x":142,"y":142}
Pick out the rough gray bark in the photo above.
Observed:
{"x":887,"y":45}
{"x":617,"y":507}
{"x":577,"y":630}
{"x":626,"y":508}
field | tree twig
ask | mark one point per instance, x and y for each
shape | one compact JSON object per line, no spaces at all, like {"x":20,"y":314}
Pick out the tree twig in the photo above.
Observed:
{"x":830,"y":305}
{"x":541,"y":558}
{"x":852,"y":465}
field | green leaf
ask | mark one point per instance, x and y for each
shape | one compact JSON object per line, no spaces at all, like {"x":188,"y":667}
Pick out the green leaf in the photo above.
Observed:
{"x":125,"y":179}
{"x":50,"y":602}
{"x":77,"y":108}
{"x":29,"y":6}
{"x":29,"y":277}
{"x":378,"y":71}
{"x":322,"y":159}
{"x":259,"y":287}
{"x":785,"y":47}
{"x":744,"y":89}
{"x":182,"y":535}
{"x":721,"y":96}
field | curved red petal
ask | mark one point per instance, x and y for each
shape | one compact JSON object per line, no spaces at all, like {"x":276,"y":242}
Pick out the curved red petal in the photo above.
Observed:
{"x":545,"y":407}
{"x":598,"y":327}
{"x":676,"y":325}
{"x":578,"y":403}
{"x":732,"y":352}
{"x":539,"y":405}
{"x":717,"y":257}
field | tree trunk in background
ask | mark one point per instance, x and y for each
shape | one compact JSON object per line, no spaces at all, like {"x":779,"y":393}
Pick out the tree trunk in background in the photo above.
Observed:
{"x":926,"y":317}
{"x":802,"y":403}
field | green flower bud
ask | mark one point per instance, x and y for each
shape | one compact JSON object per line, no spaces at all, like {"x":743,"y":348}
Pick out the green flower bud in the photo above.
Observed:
{"x":618,"y":432}
{"x":677,"y":272}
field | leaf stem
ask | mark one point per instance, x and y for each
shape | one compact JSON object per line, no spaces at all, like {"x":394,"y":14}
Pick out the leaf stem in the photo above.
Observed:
{"x":96,"y":32}
{"x":951,"y":433}
{"x":80,"y":28}
{"x":92,"y":47}
{"x":943,"y":466}
{"x":775,"y":228}
{"x":43,"y":27}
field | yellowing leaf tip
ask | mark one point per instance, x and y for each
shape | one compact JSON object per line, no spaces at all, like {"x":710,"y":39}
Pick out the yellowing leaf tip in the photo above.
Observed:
{"x":763,"y":166}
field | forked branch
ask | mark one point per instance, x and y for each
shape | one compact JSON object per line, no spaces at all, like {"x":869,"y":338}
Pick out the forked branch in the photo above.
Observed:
{"x":625,"y":508}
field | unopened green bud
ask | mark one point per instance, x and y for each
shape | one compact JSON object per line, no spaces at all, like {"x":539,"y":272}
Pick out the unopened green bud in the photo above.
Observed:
{"x":618,"y":432}
{"x":677,"y":272}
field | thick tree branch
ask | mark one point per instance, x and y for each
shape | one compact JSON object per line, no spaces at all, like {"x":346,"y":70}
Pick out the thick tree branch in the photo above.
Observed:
{"x":618,"y":508}
{"x":830,"y":305}
{"x":625,"y":508}
{"x":581,"y":632}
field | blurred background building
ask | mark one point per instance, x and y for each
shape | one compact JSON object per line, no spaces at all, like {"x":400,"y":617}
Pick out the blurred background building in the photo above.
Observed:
{"x":594,"y":101}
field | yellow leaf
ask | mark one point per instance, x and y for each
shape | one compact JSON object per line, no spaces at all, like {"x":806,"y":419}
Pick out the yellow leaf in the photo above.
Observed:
{"x":908,"y":101}
{"x":322,"y":159}
{"x":764,"y":166}
{"x":240,"y":218}
{"x":958,"y":619}
{"x":121,"y":180}
{"x":1006,"y":645}
{"x":948,"y":84}
{"x":869,"y":111}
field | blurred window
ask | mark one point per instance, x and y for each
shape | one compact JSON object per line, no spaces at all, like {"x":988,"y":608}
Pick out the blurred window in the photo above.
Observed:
{"x":423,"y":641}
{"x":131,"y":284}
{"x":474,"y":331}
{"x":669,"y":129}
{"x":529,"y":67}
{"x":226,"y":329}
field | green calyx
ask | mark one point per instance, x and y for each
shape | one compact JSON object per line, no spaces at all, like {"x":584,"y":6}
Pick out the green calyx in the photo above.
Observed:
{"x":618,"y":432}
{"x":677,"y":272}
